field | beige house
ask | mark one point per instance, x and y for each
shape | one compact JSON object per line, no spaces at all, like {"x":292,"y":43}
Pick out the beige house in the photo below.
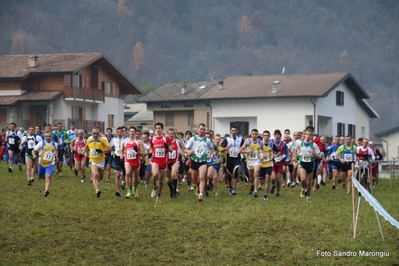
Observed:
{"x":44,"y":89}
{"x":178,"y":105}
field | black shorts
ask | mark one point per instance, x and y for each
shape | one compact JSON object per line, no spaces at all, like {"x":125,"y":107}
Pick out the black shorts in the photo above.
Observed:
{"x":108,"y":159}
{"x":232,"y":165}
{"x":181,"y":168}
{"x":60,"y":154}
{"x":308,"y":166}
{"x":345,"y":167}
{"x":290,"y":167}
{"x":117,"y":163}
{"x":195,"y":165}
{"x":14,"y":148}
{"x":142,"y":169}
{"x":265,"y":171}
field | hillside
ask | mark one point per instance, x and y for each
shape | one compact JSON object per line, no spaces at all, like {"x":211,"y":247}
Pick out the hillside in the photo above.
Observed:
{"x":183,"y":40}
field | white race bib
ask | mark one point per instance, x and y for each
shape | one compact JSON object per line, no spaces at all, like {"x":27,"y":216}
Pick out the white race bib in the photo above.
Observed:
{"x":278,"y":158}
{"x":131,"y":154}
{"x":253,"y":155}
{"x":332,"y":156}
{"x":48,"y":156}
{"x":94,"y":153}
{"x":233,"y":153}
{"x":31,"y":144}
{"x":11,"y":141}
{"x":199,"y":151}
{"x":80,"y":150}
{"x":348,"y":157}
{"x":172,"y":155}
{"x":159,"y":152}
{"x":363,"y":164}
{"x":306,"y":159}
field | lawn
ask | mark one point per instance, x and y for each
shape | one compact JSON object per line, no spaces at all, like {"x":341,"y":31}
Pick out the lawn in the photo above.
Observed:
{"x":73,"y":227}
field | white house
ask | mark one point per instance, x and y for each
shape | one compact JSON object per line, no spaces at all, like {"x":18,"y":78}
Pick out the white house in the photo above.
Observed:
{"x":334,"y":102}
{"x":43,"y":89}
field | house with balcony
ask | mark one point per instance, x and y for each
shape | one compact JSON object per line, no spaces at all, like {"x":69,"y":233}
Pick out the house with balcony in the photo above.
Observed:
{"x":44,"y":89}
{"x":177,"y":104}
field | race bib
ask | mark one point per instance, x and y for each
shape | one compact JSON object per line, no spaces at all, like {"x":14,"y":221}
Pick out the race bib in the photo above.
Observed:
{"x":233,"y":153}
{"x":266,"y":157}
{"x":131,"y":154}
{"x":160,"y":152}
{"x":332,"y":156}
{"x":172,"y":155}
{"x":363,"y":164}
{"x":278,"y":158}
{"x":11,"y":141}
{"x":306,"y":159}
{"x":80,"y":150}
{"x":48,"y":156}
{"x":199,"y":151}
{"x":252,"y":155}
{"x":348,"y":157}
{"x":31,"y":144}
{"x":94,"y":153}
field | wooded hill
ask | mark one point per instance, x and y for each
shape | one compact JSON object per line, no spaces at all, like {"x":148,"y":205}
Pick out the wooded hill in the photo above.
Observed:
{"x":183,"y":40}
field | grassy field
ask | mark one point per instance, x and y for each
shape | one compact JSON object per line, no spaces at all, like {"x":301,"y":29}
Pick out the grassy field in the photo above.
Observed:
{"x":73,"y":227}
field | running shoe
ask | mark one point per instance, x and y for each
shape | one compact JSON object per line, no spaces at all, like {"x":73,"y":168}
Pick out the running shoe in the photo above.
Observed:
{"x":317,"y":186}
{"x":192,"y":188}
{"x":333,"y":187}
{"x":343,"y":186}
{"x":197,"y":192}
{"x":32,"y":179}
{"x":82,"y":180}
{"x":230,"y":191}
{"x":233,"y":191}
{"x":265,"y":197}
{"x":128,"y":194}
{"x":348,"y":193}
{"x":98,"y":193}
{"x":107,"y":181}
{"x":153,"y":193}
{"x":211,"y":186}
{"x":200,"y":197}
{"x":206,"y":194}
{"x":76,"y":172}
{"x":146,"y":186}
{"x":272,"y":189}
{"x":46,"y":193}
{"x":135,"y":193}
{"x":293,"y":184}
{"x":323,"y":183}
{"x":20,"y":167}
{"x":158,"y":198}
{"x":308,"y":199}
{"x":10,"y":169}
{"x":123,"y":185}
{"x":118,"y":193}
{"x":288,"y":184}
{"x":255,"y":193}
{"x":216,"y":193}
{"x":30,"y":183}
{"x":302,"y":194}
{"x":278,"y":194}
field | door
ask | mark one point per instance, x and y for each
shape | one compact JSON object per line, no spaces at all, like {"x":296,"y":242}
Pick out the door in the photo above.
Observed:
{"x":38,"y":115}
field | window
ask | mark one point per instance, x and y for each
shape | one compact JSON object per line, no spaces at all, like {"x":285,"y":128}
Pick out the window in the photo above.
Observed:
{"x":188,"y":103}
{"x":340,"y":98}
{"x":242,"y":127}
{"x":190,"y":121}
{"x":165,"y":104}
{"x":110,"y":120}
{"x":352,"y":130}
{"x":78,"y":113}
{"x":341,"y":129}
{"x":77,"y":81}
{"x":108,"y":87}
{"x":126,"y":117}
{"x":169,"y":120}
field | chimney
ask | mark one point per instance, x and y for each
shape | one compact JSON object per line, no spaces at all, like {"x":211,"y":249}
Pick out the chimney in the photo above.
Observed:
{"x":221,"y":85}
{"x":274,"y":89}
{"x":183,"y":89}
{"x":33,"y":60}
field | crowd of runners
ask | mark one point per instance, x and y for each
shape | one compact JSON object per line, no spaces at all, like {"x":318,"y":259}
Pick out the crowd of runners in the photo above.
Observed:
{"x":207,"y":162}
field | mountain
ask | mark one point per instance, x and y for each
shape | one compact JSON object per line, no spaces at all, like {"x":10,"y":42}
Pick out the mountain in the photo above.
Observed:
{"x":183,"y":40}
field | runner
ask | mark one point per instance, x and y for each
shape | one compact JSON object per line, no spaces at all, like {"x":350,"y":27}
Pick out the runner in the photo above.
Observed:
{"x":252,"y":147}
{"x":108,"y":156}
{"x":77,"y":146}
{"x":200,"y":149}
{"x":63,"y":139}
{"x":335,"y":162}
{"x":232,"y":145}
{"x":29,"y":142}
{"x":266,"y":166}
{"x":280,"y":154}
{"x":347,"y":155}
{"x":309,"y":152}
{"x":160,"y":147}
{"x":13,"y":138}
{"x":97,"y":147}
{"x":364,"y":155}
{"x":374,"y":166}
{"x":117,"y":162}
{"x":173,"y":162}
{"x":131,"y":151}
{"x":47,"y":150}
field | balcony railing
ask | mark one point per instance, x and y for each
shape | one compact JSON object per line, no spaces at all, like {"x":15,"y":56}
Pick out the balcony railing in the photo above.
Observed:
{"x":81,"y":93}
{"x":87,"y":125}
